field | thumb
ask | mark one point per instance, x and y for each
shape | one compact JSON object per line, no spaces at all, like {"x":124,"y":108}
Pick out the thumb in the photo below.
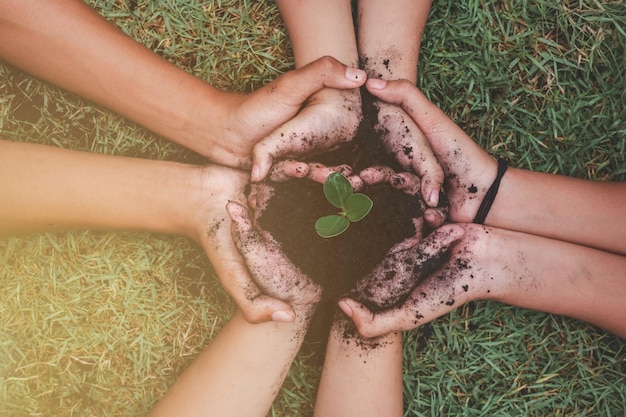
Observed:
{"x":295,"y":87}
{"x":369,"y":324}
{"x":428,"y":117}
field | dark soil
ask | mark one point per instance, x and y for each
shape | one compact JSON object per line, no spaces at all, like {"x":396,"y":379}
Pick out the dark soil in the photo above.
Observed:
{"x":337,"y":263}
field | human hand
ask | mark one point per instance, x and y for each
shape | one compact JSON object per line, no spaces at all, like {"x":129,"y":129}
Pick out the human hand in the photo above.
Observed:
{"x":276,"y":275}
{"x":475,"y":269}
{"x":210,"y":226}
{"x":328,"y":118}
{"x":469,"y":171}
{"x":252,"y":117}
{"x":406,"y":143}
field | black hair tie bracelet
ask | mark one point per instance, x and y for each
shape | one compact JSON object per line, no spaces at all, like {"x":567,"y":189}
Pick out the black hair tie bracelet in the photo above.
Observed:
{"x":485,"y":206}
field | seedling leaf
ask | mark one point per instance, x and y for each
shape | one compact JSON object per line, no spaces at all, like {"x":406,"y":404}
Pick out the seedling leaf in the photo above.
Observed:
{"x":337,"y":189}
{"x":331,"y":226}
{"x":357,"y":206}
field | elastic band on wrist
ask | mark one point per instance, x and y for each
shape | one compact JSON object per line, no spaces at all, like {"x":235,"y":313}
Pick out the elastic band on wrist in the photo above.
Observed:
{"x":485,"y":206}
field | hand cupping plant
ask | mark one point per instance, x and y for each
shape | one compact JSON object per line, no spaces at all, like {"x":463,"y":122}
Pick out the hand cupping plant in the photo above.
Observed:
{"x":354,"y":206}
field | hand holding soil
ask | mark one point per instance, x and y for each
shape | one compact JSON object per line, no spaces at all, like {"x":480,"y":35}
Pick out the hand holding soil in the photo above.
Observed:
{"x":328,"y":118}
{"x":277,"y":276}
{"x":404,"y":140}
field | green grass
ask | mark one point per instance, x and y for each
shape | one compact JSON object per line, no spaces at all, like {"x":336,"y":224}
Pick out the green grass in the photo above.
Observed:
{"x":102,"y":323}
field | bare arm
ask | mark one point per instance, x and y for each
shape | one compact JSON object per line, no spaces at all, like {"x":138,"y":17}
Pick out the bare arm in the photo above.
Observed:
{"x":390,"y":35}
{"x":318,"y":28}
{"x":585,"y":212}
{"x":238,"y":374}
{"x":67,"y":43}
{"x":514,"y":268}
{"x":360,"y":377}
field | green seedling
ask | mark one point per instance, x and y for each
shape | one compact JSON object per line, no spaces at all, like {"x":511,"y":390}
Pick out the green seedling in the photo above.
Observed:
{"x":354,"y":206}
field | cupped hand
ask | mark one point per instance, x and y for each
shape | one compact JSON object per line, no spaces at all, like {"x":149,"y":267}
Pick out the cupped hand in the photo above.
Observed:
{"x":406,"y":143}
{"x":250,"y":118}
{"x":469,"y":171}
{"x":406,"y":264}
{"x":211,"y":228}
{"x":469,"y":273}
{"x":274,"y":273}
{"x":328,"y":118}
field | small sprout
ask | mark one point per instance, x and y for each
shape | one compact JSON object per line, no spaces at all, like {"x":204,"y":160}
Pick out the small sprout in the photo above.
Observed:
{"x":354,"y":206}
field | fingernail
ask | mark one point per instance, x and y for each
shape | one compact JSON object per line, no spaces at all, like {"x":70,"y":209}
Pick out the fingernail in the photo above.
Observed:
{"x":345,"y":307}
{"x":354,"y":74}
{"x":376,"y":83}
{"x":282,"y":316}
{"x":433,"y":198}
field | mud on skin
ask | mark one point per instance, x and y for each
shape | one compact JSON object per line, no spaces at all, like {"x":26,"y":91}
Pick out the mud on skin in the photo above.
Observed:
{"x":338,"y":263}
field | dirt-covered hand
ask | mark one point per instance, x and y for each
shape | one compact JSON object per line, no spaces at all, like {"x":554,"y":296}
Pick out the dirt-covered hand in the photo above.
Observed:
{"x":393,"y":280}
{"x":276,"y":275}
{"x":410,"y":184}
{"x":406,"y":143}
{"x":212,"y":230}
{"x":286,"y":170}
{"x":251,"y":117}
{"x":329,"y":117}
{"x":474,"y":270}
{"x":469,"y":171}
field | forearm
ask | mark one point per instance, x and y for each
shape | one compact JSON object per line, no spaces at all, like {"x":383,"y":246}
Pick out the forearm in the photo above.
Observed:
{"x":389,"y":37}
{"x":361,"y":377}
{"x":68,"y":44}
{"x":318,"y":28}
{"x":586,"y":212}
{"x":45,"y":188}
{"x":239,"y":373}
{"x":560,"y":278}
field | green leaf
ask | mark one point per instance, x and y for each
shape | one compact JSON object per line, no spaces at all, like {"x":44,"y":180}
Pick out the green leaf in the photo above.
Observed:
{"x":337,"y":189}
{"x":358,"y":206}
{"x":330,"y":226}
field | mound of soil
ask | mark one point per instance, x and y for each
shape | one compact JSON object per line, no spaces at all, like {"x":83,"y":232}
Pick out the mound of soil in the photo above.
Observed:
{"x":338,"y":262}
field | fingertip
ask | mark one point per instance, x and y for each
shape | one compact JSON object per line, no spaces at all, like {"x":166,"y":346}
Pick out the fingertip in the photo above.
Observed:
{"x":433,"y":217}
{"x":355,"y":75}
{"x":255,"y":174}
{"x":283,"y":316}
{"x":345,"y":307}
{"x":233,"y":209}
{"x":375,"y":84}
{"x":261,"y":164}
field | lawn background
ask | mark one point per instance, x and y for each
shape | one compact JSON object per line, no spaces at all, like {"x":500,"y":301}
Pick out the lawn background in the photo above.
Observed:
{"x":100,"y":324}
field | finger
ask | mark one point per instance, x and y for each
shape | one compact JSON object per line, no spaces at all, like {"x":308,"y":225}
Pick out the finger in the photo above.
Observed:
{"x":371,"y":325}
{"x":429,"y":118}
{"x":263,"y":308}
{"x":273,"y":272}
{"x":434,"y":246}
{"x":259,"y":198}
{"x":411,"y":241}
{"x":294,"y":87}
{"x":376,"y":174}
{"x":318,"y":172}
{"x":287,"y":169}
{"x":404,"y":140}
{"x":434,"y":217}
{"x":407,"y":182}
{"x":235,"y":278}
